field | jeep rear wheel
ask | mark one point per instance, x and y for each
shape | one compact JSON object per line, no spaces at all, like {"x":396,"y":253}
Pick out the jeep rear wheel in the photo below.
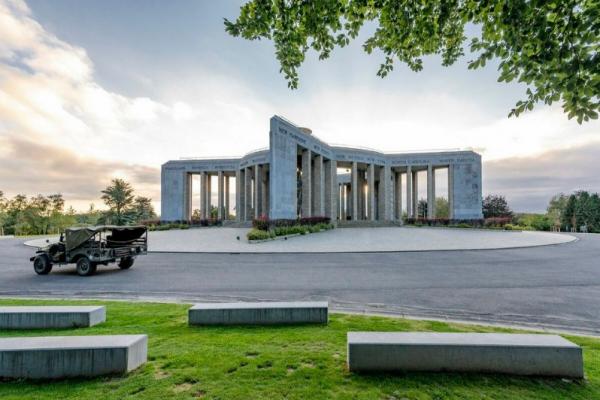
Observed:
{"x":85,"y":267}
{"x":126,"y":262}
{"x":41,"y":265}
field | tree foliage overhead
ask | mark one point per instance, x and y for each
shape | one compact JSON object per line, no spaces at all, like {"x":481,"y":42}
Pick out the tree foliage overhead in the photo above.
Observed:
{"x":551,"y":46}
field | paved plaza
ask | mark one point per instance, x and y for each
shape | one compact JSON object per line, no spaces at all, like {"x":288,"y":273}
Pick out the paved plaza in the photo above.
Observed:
{"x":345,"y":240}
{"x":554,"y":287}
{"x":224,"y":240}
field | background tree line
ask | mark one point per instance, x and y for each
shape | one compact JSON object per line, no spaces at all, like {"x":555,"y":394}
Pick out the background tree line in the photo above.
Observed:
{"x":41,"y":215}
{"x":579,"y":212}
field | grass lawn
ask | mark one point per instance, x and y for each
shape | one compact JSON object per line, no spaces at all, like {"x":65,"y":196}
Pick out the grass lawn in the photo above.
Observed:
{"x":305,"y":362}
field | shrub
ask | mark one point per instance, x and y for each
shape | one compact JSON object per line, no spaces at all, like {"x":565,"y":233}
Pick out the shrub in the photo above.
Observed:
{"x":265,"y":224}
{"x":257,"y":234}
{"x":287,"y":230}
{"x":206,"y":222}
{"x":314,"y":220}
{"x":541,"y":223}
{"x":150,"y":222}
{"x":261,"y":223}
{"x":470,"y":223}
{"x":497,"y":222}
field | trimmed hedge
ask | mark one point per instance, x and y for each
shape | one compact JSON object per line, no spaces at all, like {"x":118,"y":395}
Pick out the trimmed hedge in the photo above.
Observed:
{"x":497,"y":222}
{"x":167,"y":226}
{"x":181,"y":223}
{"x":471,"y":223}
{"x":258,"y":234}
{"x":265,"y":224}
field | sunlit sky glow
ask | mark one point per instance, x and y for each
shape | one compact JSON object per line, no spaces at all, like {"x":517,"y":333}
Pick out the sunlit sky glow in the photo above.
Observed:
{"x":94,"y":90}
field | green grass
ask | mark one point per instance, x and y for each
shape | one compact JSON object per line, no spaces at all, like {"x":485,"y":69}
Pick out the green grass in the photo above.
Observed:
{"x":303,"y":362}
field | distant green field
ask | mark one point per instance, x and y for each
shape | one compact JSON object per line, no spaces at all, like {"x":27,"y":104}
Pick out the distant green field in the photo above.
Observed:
{"x":303,"y":362}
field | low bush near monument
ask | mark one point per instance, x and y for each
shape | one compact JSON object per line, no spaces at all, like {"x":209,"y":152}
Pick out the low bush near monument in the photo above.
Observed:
{"x":279,"y":362}
{"x":259,"y":234}
{"x":471,"y":223}
{"x":497,"y":222}
{"x":158,"y":225}
{"x":263,"y":223}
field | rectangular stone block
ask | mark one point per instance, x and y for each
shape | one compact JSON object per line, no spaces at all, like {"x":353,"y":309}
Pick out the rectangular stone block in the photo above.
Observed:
{"x":264,"y":313}
{"x":518,"y":354}
{"x":42,"y":317}
{"x":55,"y":357}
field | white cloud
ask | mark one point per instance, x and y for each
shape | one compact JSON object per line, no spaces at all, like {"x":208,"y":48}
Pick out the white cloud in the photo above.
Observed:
{"x":48,"y":93}
{"x":420,"y":121}
{"x":529,"y":182}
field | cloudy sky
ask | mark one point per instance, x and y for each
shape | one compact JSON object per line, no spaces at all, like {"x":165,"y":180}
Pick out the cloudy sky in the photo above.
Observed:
{"x":91,"y":90}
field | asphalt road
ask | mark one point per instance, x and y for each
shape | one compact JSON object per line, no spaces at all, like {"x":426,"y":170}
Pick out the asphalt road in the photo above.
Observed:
{"x":554,"y":287}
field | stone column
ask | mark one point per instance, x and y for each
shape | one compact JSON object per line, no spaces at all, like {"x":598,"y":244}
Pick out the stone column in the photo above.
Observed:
{"x":209,"y":195}
{"x":318,"y":192}
{"x":265,"y":191}
{"x":220,"y":195}
{"x":331,"y":190}
{"x":385,"y":193}
{"x":248,"y":194}
{"x":371,"y":191}
{"x":415,"y":193}
{"x":239,"y":196}
{"x":341,"y":201}
{"x":398,"y":197}
{"x":187,"y":198}
{"x":306,"y":183}
{"x":430,"y":191}
{"x":451,"y":191}
{"x":354,"y":191}
{"x":227,"y":195}
{"x":360,"y":189}
{"x":349,"y":202}
{"x":409,"y":188}
{"x":258,"y":190}
{"x":203,"y":190}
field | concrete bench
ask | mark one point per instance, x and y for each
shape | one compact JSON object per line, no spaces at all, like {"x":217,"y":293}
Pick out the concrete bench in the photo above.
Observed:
{"x":518,"y":354}
{"x":54,"y":357}
{"x":265,"y":313}
{"x":38,"y":317}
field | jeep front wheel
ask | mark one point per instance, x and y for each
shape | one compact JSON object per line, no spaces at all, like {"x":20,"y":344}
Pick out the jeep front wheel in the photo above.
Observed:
{"x":41,"y":265}
{"x":85,"y":267}
{"x":126,"y":262}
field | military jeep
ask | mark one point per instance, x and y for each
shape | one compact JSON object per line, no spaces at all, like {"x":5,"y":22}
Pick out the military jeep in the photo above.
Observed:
{"x":88,"y":247}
